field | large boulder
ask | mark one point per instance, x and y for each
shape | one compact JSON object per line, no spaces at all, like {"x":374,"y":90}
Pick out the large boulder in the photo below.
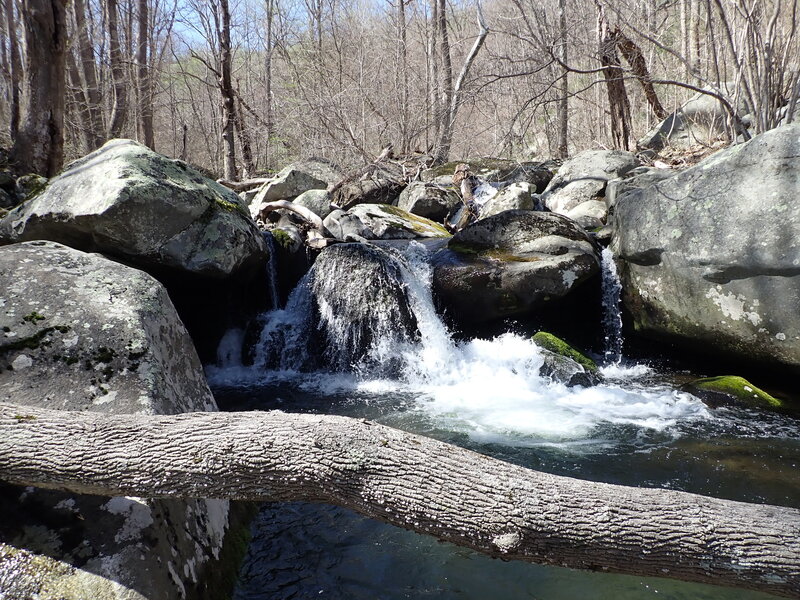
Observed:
{"x":80,"y":332}
{"x":512,"y":264}
{"x":516,"y":196}
{"x":709,"y":257}
{"x":381,"y":222}
{"x":296,"y":179}
{"x":127,"y":201}
{"x":584,"y":177}
{"x":158,"y":214}
{"x":428,"y":200}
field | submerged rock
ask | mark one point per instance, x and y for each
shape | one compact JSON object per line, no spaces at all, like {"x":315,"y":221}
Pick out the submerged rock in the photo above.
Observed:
{"x":80,"y":332}
{"x":555,"y":344}
{"x":728,"y":389}
{"x":511,"y":264}
{"x":708,"y":256}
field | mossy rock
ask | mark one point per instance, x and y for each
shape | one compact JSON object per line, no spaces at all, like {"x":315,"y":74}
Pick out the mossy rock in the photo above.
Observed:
{"x":726,"y":389}
{"x":554,"y":344}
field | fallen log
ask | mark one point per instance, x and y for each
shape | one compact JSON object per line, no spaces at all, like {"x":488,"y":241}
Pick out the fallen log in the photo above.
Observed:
{"x":410,"y":481}
{"x":246,"y":185}
{"x":307,"y":215}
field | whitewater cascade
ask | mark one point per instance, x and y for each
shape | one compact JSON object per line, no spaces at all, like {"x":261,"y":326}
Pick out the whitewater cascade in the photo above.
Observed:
{"x":488,"y":389}
{"x":612,"y":315}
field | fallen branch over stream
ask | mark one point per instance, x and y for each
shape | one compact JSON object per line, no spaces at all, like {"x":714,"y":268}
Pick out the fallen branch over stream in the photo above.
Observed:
{"x":410,"y":481}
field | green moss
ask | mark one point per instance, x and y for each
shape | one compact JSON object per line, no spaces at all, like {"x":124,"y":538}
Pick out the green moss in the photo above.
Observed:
{"x":555,"y":344}
{"x":737,"y":389}
{"x":104,"y":355}
{"x":283,"y":239}
{"x":415,"y":220}
{"x":24,"y":418}
{"x":33,"y":317}
{"x":28,"y":343}
{"x":231,"y":206}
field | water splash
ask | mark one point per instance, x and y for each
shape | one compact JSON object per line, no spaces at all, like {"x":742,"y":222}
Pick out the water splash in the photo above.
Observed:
{"x":487,"y":389}
{"x":229,"y":351}
{"x":612,"y":315}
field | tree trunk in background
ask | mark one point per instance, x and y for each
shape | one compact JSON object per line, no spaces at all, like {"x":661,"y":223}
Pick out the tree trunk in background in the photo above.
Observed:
{"x":14,"y":66}
{"x":244,"y":140}
{"x":268,"y":52}
{"x":615,"y":85}
{"x":94,"y":126}
{"x":119,"y":111}
{"x":411,"y":481}
{"x":446,"y":87}
{"x":145,"y":93}
{"x":633,"y":56}
{"x":433,"y":77}
{"x":226,"y":89}
{"x":563,"y":101}
{"x":39,"y":145}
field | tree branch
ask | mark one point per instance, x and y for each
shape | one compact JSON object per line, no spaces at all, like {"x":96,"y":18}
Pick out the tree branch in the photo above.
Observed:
{"x":410,"y":481}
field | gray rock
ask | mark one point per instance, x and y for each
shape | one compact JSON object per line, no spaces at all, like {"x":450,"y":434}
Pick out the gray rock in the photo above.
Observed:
{"x":565,"y":370}
{"x":701,"y":120}
{"x":375,"y":189}
{"x":381,"y":222}
{"x":590,"y":214}
{"x":516,"y":196}
{"x":511,"y":264}
{"x":428,"y":200}
{"x":7,"y":200}
{"x":127,"y":201}
{"x":709,"y":255}
{"x":493,"y":170}
{"x":80,"y":332}
{"x":317,"y":201}
{"x":30,"y":185}
{"x":639,"y":177}
{"x":7,"y":181}
{"x":584,"y":177}
{"x":289,"y":183}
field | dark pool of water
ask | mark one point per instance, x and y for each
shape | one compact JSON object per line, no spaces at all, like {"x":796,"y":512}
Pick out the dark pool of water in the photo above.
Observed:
{"x":313,"y":551}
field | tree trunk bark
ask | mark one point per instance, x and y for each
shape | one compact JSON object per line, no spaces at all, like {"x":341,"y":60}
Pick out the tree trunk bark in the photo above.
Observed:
{"x":268,"y":118}
{"x":634,"y":57}
{"x":119,"y":111}
{"x":446,"y":81}
{"x":39,"y":145}
{"x":15,"y":67}
{"x":414,"y":482}
{"x":226,"y":89}
{"x":145,"y":93}
{"x":563,"y":101}
{"x":94,"y":135}
{"x":615,"y":85}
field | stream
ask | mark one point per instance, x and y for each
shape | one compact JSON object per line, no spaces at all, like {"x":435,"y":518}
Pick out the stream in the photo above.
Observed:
{"x":634,"y":429}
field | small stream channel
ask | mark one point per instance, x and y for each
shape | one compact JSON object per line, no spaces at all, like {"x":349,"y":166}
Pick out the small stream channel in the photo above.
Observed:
{"x":634,"y":429}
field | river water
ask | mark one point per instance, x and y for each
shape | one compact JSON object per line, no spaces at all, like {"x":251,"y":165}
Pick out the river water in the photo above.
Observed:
{"x":485,"y":394}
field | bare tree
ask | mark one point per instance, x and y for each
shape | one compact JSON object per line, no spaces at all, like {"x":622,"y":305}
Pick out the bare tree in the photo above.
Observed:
{"x":143,"y":70}
{"x":119,"y":111}
{"x":14,"y":67}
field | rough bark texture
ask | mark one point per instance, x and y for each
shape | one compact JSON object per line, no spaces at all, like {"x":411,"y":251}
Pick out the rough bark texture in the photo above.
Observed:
{"x":145,"y":92}
{"x":39,"y":146}
{"x":119,"y":111}
{"x":14,"y":67}
{"x":94,"y":127}
{"x":410,"y":481}
{"x":633,"y":56}
{"x":226,"y":89}
{"x":615,"y":82}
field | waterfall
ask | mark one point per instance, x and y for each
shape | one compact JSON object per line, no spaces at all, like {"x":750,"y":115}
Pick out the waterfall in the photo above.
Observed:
{"x":229,"y":351}
{"x":272,"y":271}
{"x":612,"y":315}
{"x":362,"y":324}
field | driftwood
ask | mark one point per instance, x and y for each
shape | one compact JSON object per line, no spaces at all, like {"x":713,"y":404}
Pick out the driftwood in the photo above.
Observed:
{"x":364,"y":171}
{"x":246,"y":185}
{"x":307,"y":215}
{"x":411,"y":481}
